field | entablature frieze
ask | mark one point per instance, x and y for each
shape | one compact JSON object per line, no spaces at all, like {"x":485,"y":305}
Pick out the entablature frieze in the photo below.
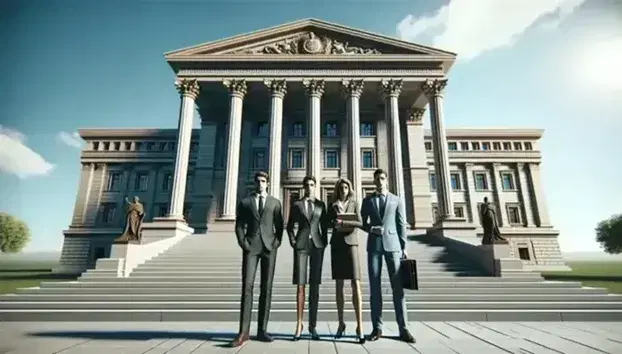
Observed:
{"x":337,"y":75}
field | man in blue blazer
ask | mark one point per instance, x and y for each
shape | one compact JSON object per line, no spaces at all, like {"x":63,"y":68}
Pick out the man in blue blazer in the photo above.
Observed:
{"x":384,"y":219}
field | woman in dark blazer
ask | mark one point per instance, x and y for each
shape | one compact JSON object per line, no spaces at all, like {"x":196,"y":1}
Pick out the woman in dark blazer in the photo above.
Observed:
{"x":344,"y":251}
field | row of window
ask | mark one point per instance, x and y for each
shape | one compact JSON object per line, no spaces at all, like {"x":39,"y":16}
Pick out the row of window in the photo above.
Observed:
{"x":153,"y":146}
{"x":297,"y":158}
{"x":485,"y":145}
{"x":480,"y":179}
{"x":141,"y":182}
{"x":512,"y":210}
{"x":299,"y":129}
{"x":109,"y":213}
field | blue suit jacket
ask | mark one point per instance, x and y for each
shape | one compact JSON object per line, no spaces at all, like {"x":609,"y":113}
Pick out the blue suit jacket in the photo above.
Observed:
{"x":393,"y":237}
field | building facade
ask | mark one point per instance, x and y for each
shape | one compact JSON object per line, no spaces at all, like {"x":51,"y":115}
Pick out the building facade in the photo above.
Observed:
{"x":299,"y":99}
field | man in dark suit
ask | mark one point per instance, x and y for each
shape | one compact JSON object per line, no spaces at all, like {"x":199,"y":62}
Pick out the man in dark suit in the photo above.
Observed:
{"x":308,"y":244}
{"x":259,"y":230}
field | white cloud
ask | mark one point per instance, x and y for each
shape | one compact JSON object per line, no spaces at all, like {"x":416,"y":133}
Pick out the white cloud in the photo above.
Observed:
{"x":74,"y":140}
{"x":17,"y":158}
{"x":471,"y":27}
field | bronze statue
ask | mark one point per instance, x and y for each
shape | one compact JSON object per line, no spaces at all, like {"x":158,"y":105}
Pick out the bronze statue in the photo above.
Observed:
{"x":133,"y":221}
{"x":492,"y":234}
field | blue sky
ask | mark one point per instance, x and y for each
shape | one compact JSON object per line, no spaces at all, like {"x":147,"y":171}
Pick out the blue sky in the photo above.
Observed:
{"x":547,"y":64}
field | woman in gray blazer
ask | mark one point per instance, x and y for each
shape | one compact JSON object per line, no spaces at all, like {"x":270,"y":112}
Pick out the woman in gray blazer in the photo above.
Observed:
{"x":344,"y":251}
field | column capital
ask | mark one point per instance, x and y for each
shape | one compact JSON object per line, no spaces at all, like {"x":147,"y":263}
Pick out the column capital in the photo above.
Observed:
{"x":433,"y":87}
{"x":236,"y":87}
{"x":188,"y":87}
{"x":314,"y":87}
{"x":469,"y":165}
{"x":352,"y":87}
{"x":520,"y":165}
{"x":277,"y":87}
{"x":391,"y":88}
{"x":415,"y":115}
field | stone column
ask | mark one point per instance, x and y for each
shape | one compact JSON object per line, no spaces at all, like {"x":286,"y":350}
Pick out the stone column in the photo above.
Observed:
{"x":541,"y":208}
{"x":470,"y":186}
{"x":237,"y":90}
{"x":433,"y":89}
{"x":277,"y":88}
{"x":353,"y":90}
{"x":523,"y":186}
{"x":189,"y":91}
{"x":496,"y":177}
{"x":315,"y":90}
{"x":391,"y":90}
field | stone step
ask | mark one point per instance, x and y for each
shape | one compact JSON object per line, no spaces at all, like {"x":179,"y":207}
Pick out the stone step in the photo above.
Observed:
{"x":129,"y":283}
{"x":227,"y":269}
{"x":287,"y":274}
{"x":236,"y":279}
{"x":201,"y":315}
{"x":324,"y":297}
{"x":327,"y":290}
{"x":291,"y":305}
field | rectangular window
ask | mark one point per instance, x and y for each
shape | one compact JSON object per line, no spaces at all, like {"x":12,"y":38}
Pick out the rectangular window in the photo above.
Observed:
{"x":475,"y":146}
{"x":481,"y":181}
{"x":114,"y":181}
{"x":486,"y":146}
{"x":507,"y":181}
{"x":528,"y":146}
{"x":464,"y":146}
{"x":432,"y":181}
{"x":368,"y":157}
{"x":507,"y":146}
{"x":513,"y":215}
{"x":117,"y":146}
{"x":331,"y":158}
{"x":141,"y":183}
{"x":455,"y":182}
{"x":296,"y":158}
{"x":331,"y":129}
{"x":298,"y":130}
{"x":167,"y":182}
{"x":96,"y":145}
{"x":518,"y":145}
{"x":329,"y":197}
{"x":496,"y":145}
{"x":128,"y":146}
{"x":259,"y":159}
{"x":109,"y":211}
{"x":459,"y":212}
{"x":367,"y":129}
{"x":523,"y":253}
{"x":428,"y":146}
{"x":452,"y":146}
{"x":106,"y":145}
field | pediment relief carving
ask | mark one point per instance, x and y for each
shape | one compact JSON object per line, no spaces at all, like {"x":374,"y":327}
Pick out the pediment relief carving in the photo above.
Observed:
{"x":308,"y":43}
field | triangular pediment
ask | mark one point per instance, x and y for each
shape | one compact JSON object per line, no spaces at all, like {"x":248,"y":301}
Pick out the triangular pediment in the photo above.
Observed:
{"x":308,"y":37}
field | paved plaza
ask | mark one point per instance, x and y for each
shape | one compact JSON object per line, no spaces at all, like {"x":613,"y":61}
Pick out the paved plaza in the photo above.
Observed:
{"x":196,"y":337}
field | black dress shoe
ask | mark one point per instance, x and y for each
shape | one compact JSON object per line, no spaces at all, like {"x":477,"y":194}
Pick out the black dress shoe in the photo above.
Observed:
{"x":264,"y":337}
{"x":299,"y":333}
{"x":405,"y":336}
{"x":375,"y":335}
{"x":314,"y":334}
{"x":340,"y":330}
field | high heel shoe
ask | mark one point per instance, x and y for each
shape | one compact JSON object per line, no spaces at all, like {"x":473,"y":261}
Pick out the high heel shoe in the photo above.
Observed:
{"x":340,"y":330}
{"x":297,"y":335}
{"x":360,"y":335}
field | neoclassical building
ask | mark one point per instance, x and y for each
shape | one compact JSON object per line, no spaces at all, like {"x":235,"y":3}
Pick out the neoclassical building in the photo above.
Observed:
{"x":311,"y":97}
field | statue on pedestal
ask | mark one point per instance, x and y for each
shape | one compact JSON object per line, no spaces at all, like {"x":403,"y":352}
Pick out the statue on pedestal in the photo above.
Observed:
{"x":133,"y":222}
{"x":492,"y":235}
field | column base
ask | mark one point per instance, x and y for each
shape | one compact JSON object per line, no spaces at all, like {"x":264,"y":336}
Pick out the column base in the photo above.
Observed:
{"x":222,"y":224}
{"x":164,"y":227}
{"x":455,"y":228}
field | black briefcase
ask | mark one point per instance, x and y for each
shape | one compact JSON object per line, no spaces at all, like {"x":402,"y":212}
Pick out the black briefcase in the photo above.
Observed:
{"x":408,"y":274}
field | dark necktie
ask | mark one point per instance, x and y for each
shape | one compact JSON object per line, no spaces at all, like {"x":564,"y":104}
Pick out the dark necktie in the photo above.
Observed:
{"x":381,"y":204}
{"x":260,"y":208}
{"x":309,"y":208}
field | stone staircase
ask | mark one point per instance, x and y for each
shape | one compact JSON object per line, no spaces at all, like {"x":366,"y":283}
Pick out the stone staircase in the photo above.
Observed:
{"x":199,"y":279}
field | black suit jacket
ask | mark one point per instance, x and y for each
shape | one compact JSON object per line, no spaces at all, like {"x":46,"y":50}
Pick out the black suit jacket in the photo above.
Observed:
{"x":314,"y":227}
{"x":347,"y":237}
{"x":254,"y":231}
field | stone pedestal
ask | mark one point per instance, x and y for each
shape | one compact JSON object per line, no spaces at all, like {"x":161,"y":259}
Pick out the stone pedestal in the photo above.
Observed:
{"x":162,"y":228}
{"x":222,"y":225}
{"x":498,"y":256}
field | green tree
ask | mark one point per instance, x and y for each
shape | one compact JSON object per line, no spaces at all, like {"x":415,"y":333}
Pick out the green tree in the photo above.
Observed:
{"x":609,"y":234}
{"x":14,"y":234}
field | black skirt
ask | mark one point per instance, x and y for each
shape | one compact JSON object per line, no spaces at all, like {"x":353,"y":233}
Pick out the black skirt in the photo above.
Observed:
{"x":344,"y":261}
